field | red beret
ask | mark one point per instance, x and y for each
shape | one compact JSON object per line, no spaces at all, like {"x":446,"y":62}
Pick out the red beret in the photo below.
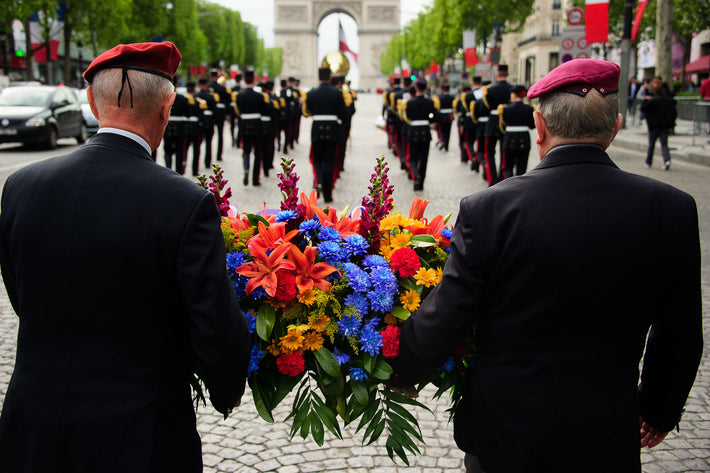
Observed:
{"x":162,"y":59}
{"x":579,"y":76}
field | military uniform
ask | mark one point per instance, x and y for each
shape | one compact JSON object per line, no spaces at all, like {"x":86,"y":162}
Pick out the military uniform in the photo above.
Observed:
{"x":194,"y":126}
{"x":234,"y":119}
{"x":494,"y":95}
{"x":516,"y":119}
{"x":418,"y":114}
{"x":388,"y":114}
{"x":400,"y":127}
{"x":250,"y":105}
{"x":269,"y":122}
{"x":444,"y":104}
{"x":207,"y":122}
{"x":175,"y":136}
{"x":223,"y":99}
{"x":459,"y":105}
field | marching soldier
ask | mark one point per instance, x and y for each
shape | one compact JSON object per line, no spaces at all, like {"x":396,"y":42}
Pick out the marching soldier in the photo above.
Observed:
{"x":516,"y":120}
{"x":234,"y":121}
{"x":496,"y":94}
{"x":444,"y":104}
{"x":418,"y":114}
{"x":250,"y":105}
{"x":196,"y":107}
{"x":326,"y":105}
{"x":269,"y":122}
{"x":175,"y":136}
{"x":479,"y":115}
{"x":400,"y":128}
{"x":222,"y":97}
{"x":300,"y":97}
{"x":459,"y":106}
{"x":207,"y":118}
{"x":389,"y":114}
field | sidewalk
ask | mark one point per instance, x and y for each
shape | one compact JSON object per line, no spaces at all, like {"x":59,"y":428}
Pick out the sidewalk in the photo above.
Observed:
{"x":683,"y":145}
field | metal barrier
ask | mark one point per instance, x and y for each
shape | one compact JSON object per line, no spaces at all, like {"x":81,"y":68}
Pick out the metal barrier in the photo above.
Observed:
{"x":701,"y":120}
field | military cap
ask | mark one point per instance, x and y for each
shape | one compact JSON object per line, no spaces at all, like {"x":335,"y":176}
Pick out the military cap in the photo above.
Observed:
{"x":477,"y":80}
{"x":202,"y":81}
{"x":324,"y":73}
{"x":420,"y":82}
{"x":465,"y":88}
{"x":397,"y":80}
{"x":579,"y":76}
{"x":160,"y":59}
{"x":407,"y":81}
{"x":268,"y":85}
{"x":249,"y":75}
{"x":214,"y":72}
{"x":190,"y":85}
{"x":445,"y":86}
{"x":283,"y":83}
{"x":518,"y":90}
{"x":503,"y":68}
{"x":291,"y":79}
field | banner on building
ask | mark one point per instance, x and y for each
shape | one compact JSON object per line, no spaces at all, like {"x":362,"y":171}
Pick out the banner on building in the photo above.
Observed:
{"x":596,"y":14}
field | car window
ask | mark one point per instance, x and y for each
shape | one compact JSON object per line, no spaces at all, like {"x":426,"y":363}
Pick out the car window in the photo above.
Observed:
{"x":26,"y":97}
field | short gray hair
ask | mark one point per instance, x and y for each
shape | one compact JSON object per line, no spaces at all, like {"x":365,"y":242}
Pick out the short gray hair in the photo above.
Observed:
{"x":148,"y":90}
{"x":568,"y":115}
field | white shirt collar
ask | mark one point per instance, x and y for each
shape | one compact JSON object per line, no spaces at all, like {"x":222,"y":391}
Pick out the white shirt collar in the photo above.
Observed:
{"x":127,"y":134}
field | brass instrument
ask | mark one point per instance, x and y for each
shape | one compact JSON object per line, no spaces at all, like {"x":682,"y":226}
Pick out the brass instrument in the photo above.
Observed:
{"x":337,"y":62}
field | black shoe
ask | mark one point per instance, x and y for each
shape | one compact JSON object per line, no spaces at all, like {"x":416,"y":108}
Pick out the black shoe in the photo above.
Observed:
{"x":256,"y":184}
{"x":266,"y":173}
{"x":246,"y":179}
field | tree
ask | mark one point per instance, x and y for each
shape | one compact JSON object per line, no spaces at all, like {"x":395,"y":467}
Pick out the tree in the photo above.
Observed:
{"x":184,"y":31}
{"x":252,"y":54}
{"x":8,"y":13}
{"x":273,"y":61}
{"x":234,"y":47}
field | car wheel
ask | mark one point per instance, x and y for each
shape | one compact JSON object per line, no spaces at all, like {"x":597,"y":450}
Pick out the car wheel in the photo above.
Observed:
{"x":52,"y":140}
{"x":81,"y":137}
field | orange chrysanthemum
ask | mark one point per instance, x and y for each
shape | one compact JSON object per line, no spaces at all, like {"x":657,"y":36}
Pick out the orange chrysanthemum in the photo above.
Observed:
{"x":292,"y":341}
{"x":426,"y":277}
{"x":312,"y":341}
{"x":318,"y":322}
{"x":410,"y":300}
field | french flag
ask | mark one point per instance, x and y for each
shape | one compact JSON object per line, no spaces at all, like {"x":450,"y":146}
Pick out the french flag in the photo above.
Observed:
{"x":596,"y":28}
{"x":343,"y":45}
{"x":637,"y":20}
{"x":55,"y":35}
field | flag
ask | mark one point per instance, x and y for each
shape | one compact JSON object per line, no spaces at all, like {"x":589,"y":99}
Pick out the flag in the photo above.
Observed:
{"x":37,"y":40}
{"x":343,"y":45}
{"x":637,"y":19}
{"x":470,"y":57}
{"x":434,"y":67}
{"x":404,"y":66}
{"x":596,"y":28}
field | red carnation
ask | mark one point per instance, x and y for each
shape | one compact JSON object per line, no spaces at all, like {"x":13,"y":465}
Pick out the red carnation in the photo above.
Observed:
{"x":390,"y":341}
{"x":291,"y":364}
{"x":405,"y":262}
{"x":286,"y":288}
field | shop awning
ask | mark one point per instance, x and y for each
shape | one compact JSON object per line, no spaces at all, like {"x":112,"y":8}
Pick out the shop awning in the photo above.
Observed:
{"x":699,"y":65}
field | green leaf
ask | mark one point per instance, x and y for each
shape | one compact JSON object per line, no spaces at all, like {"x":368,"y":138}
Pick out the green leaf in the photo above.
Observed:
{"x":403,"y":412}
{"x":377,"y":432}
{"x":327,"y":361}
{"x":360,"y":393}
{"x":254,"y":219}
{"x":306,"y":425}
{"x":299,"y":418}
{"x":328,"y":417}
{"x":404,"y":425}
{"x":368,"y":363}
{"x":382,"y":370}
{"x":265,"y":320}
{"x":367,"y":416}
{"x":372,"y":425}
{"x":393,"y":444}
{"x":260,"y":403}
{"x":422,"y":241}
{"x":403,"y":439}
{"x":410,"y":284}
{"x":316,"y":428}
{"x":285,"y":387}
{"x":334,"y":387}
{"x":400,"y":312}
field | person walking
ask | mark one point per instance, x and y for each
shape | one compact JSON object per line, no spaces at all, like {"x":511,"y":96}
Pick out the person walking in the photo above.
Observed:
{"x":543,"y":265}
{"x":494,"y":95}
{"x":249,"y":108}
{"x":269,"y":123}
{"x":208,"y":118}
{"x":516,"y":121}
{"x":444,"y":104}
{"x":660,"y":111}
{"x":326,"y":105}
{"x":195,"y":125}
{"x":135,"y":297}
{"x":223,"y":99}
{"x":418,"y":115}
{"x":175,"y":138}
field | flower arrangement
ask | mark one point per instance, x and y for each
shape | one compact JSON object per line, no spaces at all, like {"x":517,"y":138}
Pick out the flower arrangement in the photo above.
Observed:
{"x":324,"y":293}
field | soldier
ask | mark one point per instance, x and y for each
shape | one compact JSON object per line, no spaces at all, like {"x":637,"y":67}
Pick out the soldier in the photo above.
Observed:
{"x":250,"y":105}
{"x":516,"y":120}
{"x":479,"y":115}
{"x":175,"y":137}
{"x":338,"y":81}
{"x":326,"y":105}
{"x":300,"y":97}
{"x":444,"y":104}
{"x":400,"y":127}
{"x":459,"y":105}
{"x":496,"y":94}
{"x":269,"y":122}
{"x":196,"y":107}
{"x":419,"y":112}
{"x":223,"y":98}
{"x":207,"y":118}
{"x":234,"y":122}
{"x":389,"y":114}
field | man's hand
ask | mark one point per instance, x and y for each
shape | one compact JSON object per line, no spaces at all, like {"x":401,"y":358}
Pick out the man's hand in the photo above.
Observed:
{"x":650,"y":437}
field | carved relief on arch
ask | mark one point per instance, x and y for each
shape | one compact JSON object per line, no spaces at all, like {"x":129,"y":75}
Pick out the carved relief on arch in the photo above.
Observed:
{"x":291,"y":14}
{"x":322,"y":9}
{"x":292,"y":54}
{"x":377,"y":50}
{"x":382,"y":15}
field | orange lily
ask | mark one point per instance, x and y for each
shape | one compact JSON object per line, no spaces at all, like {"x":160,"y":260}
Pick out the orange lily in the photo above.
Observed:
{"x":431,"y":228}
{"x":310,"y":203}
{"x":345,"y":225}
{"x":272,"y":235}
{"x":238,"y":223}
{"x":308,"y":272}
{"x":262,"y":270}
{"x":416,"y":211}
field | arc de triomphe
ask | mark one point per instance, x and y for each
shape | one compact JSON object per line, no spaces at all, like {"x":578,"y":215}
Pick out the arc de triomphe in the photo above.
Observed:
{"x":296,"y":31}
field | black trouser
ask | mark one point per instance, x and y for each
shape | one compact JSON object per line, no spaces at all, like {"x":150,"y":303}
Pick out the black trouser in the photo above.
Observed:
{"x":175,"y":145}
{"x":516,"y":161}
{"x":418,"y":158}
{"x":268,"y":150}
{"x":323,"y":164}
{"x":653,"y":135}
{"x":444,"y":132}
{"x":219,"y":130}
{"x":250,"y":142}
{"x":196,"y":141}
{"x":207,"y":138}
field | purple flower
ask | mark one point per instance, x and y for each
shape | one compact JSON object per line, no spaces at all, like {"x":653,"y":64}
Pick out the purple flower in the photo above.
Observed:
{"x":341,"y":357}
{"x":286,"y":215}
{"x":356,"y":245}
{"x":251,"y":319}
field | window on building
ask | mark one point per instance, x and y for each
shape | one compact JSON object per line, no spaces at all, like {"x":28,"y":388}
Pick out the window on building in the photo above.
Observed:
{"x":555,"y":28}
{"x":556,"y":4}
{"x":554,"y":60}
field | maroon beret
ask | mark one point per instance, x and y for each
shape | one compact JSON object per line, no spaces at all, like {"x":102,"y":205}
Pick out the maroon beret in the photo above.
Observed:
{"x":579,"y":76}
{"x":161,"y":59}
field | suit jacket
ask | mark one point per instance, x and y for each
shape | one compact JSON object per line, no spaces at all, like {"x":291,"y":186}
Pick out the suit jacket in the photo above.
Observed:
{"x":250,"y":107}
{"x":116,"y":269}
{"x":325,"y":100}
{"x":564,"y":269}
{"x":660,"y":111}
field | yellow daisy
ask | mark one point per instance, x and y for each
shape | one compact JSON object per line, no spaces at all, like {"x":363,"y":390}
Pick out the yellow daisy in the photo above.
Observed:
{"x":439,"y":275}
{"x":274,"y":348}
{"x":390,"y":222}
{"x":426,"y":277}
{"x":386,"y":252}
{"x":401,"y":240}
{"x":298,"y":328}
{"x":307,"y":297}
{"x":313,"y":341}
{"x":318,"y":321}
{"x":410,"y":300}
{"x":391,"y":319}
{"x":292,"y":341}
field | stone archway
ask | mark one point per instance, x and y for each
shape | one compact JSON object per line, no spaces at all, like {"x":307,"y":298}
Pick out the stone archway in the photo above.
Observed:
{"x":296,"y":31}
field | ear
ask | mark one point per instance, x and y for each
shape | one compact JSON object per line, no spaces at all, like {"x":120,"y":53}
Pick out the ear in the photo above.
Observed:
{"x":540,"y":127}
{"x":92,"y":102}
{"x":619,"y":121}
{"x":165,"y":109}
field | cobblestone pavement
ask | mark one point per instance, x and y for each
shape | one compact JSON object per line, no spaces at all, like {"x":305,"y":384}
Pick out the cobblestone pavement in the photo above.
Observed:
{"x":244,"y":443}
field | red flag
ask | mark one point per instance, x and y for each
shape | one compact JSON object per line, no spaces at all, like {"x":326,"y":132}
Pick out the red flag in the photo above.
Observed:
{"x":343,"y":45}
{"x":596,"y":13}
{"x":470,"y":57}
{"x":434,"y":67}
{"x":637,"y":19}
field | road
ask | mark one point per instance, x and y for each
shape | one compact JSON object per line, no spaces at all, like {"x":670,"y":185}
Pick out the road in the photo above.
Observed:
{"x":245,"y":443}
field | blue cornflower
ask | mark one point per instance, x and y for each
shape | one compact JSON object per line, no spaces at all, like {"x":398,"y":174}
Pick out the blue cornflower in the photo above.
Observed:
{"x":370,"y":340}
{"x":239,"y":284}
{"x":380,"y":301}
{"x":374,"y":261}
{"x":356,"y":374}
{"x":329,"y":234}
{"x":383,"y":279}
{"x":349,"y":325}
{"x":446,"y":232}
{"x":286,"y":215}
{"x":254,"y":359}
{"x":258,"y":293}
{"x":358,"y":301}
{"x":356,"y":245}
{"x":309,"y":226}
{"x":234,"y":260}
{"x":447,"y":366}
{"x":329,"y":250}
{"x":251,"y":319}
{"x":341,"y":357}
{"x":373,"y":323}
{"x":358,"y":279}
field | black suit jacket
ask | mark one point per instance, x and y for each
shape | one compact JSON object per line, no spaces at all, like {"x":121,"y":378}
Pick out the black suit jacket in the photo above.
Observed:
{"x":564,"y":270}
{"x":116,"y":269}
{"x":325,"y":100}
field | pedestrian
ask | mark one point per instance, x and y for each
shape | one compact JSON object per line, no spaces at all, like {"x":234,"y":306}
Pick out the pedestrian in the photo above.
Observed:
{"x":516,"y":120}
{"x":326,"y":105}
{"x":660,"y":111}
{"x":175,"y":138}
{"x":399,"y":103}
{"x":223,"y":99}
{"x":634,"y":88}
{"x":444,"y":104}
{"x":250,"y":105}
{"x":480,"y":115}
{"x":126,"y":294}
{"x":418,"y":115}
{"x":705,"y":95}
{"x":559,"y":271}
{"x":208,"y":118}
{"x":494,"y":95}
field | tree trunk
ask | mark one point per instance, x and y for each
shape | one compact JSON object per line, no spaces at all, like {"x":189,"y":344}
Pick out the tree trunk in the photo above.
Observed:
{"x":68,"y":78}
{"x":664,"y":40}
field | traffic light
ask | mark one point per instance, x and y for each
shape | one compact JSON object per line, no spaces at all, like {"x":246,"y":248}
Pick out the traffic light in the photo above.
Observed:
{"x":19,"y":52}
{"x":413,"y":77}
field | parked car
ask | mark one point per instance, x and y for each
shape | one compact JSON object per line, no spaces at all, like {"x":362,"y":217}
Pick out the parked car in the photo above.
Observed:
{"x":92,"y":123}
{"x":40,"y":114}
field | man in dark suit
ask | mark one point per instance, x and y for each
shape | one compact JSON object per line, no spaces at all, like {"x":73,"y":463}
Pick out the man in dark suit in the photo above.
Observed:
{"x":558,"y":270}
{"x":124,"y":300}
{"x":326,"y":105}
{"x":517,"y":121}
{"x":249,"y":108}
{"x":493,"y":96}
{"x":223,"y":99}
{"x":208,"y":118}
{"x":444,"y":104}
{"x":418,"y":115}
